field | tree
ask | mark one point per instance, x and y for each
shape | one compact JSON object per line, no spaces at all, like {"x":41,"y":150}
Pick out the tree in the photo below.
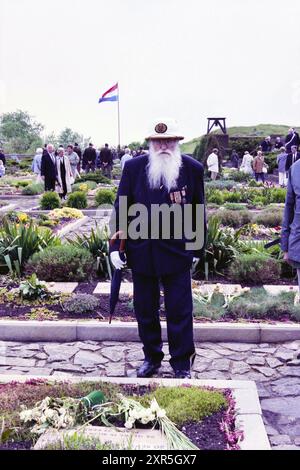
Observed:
{"x":20,"y":132}
{"x":67,"y":136}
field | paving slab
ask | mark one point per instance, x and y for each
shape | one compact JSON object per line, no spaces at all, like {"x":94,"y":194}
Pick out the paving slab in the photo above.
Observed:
{"x":62,"y":287}
{"x":275,"y":290}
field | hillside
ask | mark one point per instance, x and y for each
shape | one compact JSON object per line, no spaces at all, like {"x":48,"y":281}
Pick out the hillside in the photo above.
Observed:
{"x":259,"y":130}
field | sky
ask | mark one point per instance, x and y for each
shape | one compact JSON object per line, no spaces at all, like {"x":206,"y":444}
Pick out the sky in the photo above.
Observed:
{"x":184,"y":59}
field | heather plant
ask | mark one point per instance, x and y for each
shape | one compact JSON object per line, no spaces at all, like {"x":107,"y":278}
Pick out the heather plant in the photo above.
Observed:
{"x":81,"y":304}
{"x":233,"y":218}
{"x":255,"y":268}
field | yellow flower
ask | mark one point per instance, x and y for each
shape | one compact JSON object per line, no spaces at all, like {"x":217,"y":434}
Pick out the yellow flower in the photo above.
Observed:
{"x":83,"y":187}
{"x":22,"y":217}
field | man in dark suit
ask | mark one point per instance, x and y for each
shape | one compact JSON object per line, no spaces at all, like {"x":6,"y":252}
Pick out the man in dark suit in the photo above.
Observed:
{"x":167,"y":181}
{"x":106,"y":161}
{"x":48,"y":168}
{"x":292,"y":157}
{"x":292,"y":139}
{"x":89,"y":158}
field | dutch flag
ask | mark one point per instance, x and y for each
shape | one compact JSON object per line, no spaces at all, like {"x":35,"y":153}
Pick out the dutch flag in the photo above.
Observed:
{"x":110,"y":95}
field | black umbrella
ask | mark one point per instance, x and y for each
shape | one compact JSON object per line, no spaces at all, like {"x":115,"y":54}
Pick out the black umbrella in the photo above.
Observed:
{"x":117,"y":277}
{"x":272,"y":243}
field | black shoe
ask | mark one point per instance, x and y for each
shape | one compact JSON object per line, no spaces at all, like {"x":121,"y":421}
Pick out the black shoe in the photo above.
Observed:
{"x":148,"y":369}
{"x":182,"y":374}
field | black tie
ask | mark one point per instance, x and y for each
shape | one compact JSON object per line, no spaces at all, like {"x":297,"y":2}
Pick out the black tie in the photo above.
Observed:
{"x":294,"y":157}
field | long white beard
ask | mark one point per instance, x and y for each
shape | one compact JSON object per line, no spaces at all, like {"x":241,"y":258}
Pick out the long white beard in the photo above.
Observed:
{"x":163,"y":167}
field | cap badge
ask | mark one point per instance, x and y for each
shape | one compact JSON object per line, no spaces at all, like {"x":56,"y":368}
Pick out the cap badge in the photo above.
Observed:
{"x":161,"y":128}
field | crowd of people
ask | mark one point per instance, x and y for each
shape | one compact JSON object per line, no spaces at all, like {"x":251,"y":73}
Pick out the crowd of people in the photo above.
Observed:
{"x":59,"y":168}
{"x":287,"y":154}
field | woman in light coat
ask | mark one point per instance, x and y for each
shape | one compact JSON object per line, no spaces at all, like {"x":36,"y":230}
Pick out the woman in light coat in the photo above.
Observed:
{"x":246,"y":166}
{"x":64,"y":173}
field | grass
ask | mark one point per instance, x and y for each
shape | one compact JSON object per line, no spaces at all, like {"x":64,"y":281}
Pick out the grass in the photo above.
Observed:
{"x":186,"y":404}
{"x":243,"y":131}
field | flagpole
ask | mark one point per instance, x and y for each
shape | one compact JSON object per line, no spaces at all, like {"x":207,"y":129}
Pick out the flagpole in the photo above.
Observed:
{"x":119,"y":140}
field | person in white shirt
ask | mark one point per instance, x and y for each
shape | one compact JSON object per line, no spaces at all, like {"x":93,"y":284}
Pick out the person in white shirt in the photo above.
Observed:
{"x":127,"y":156}
{"x":213,"y":164}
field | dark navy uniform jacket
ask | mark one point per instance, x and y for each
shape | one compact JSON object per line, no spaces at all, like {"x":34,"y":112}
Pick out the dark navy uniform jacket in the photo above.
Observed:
{"x":158,"y":257}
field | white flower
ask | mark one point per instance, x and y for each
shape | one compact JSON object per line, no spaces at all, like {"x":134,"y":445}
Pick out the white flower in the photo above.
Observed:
{"x":26,"y":415}
{"x":50,"y":414}
{"x":129,"y":424}
{"x":161,"y":413}
{"x":154,"y":407}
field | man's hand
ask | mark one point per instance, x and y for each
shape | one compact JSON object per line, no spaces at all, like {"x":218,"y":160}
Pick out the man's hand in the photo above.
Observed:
{"x":116,"y":260}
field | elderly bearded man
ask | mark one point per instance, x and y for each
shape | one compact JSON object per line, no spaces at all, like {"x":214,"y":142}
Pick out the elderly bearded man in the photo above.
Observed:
{"x":162,"y":178}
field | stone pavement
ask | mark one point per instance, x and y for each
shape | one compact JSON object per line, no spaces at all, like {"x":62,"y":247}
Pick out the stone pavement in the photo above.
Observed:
{"x":277,"y":380}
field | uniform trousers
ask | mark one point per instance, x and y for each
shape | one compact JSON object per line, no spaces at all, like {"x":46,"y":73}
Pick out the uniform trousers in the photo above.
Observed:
{"x":179,"y":314}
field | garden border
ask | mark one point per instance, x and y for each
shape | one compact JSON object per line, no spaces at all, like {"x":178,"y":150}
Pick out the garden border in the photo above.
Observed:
{"x":248,"y":409}
{"x":93,"y":330}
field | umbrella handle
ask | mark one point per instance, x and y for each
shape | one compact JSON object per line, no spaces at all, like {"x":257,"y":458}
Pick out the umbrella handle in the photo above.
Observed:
{"x":115,"y":237}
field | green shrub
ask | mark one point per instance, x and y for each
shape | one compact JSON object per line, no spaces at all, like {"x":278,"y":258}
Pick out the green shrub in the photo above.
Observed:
{"x":62,"y":263}
{"x":97,"y":244}
{"x":22,"y":183}
{"x":81,"y":303}
{"x":77,"y":200}
{"x":257,"y":304}
{"x":233,"y":218}
{"x":214,"y":196}
{"x":18,"y":242}
{"x":97,"y":177}
{"x":104,"y":196}
{"x":220,"y":184}
{"x":33,"y":189}
{"x":233,"y":196}
{"x":256,"y":268}
{"x":186,"y":404}
{"x":269,"y":217}
{"x":50,"y":200}
{"x":255,"y":184}
{"x":221,"y":248}
{"x":277,"y":195}
{"x":239,"y":176}
{"x":234,"y":206}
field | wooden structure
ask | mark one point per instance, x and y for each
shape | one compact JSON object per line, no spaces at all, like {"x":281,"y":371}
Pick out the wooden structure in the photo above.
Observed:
{"x":218,"y":122}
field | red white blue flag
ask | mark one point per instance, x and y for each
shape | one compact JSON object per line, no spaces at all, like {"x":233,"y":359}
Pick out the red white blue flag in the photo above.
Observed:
{"x":110,"y":95}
